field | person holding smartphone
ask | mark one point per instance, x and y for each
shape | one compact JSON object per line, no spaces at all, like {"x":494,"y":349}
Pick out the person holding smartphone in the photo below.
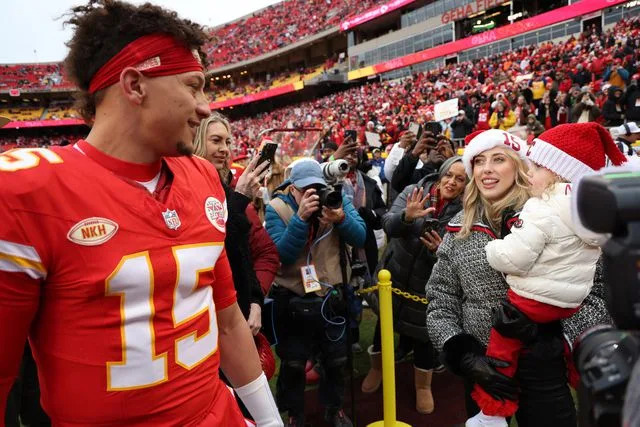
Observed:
{"x":414,"y":225}
{"x":425,"y":158}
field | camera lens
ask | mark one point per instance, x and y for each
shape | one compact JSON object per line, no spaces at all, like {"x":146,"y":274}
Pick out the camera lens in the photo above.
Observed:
{"x":332,"y":199}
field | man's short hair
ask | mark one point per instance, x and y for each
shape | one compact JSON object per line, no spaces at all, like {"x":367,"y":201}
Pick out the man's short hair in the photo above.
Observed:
{"x":104,"y":27}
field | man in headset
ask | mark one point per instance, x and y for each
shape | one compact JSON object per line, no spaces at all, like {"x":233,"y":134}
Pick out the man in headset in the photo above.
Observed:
{"x":112,"y":254}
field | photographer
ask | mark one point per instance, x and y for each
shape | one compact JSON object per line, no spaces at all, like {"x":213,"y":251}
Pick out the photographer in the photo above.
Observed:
{"x":586,"y":110}
{"x":426,"y":156}
{"x":310,"y":316}
{"x":461,"y":126}
{"x":503,"y":117}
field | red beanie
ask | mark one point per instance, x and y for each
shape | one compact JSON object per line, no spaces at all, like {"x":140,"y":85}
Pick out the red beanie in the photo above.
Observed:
{"x":575,"y":149}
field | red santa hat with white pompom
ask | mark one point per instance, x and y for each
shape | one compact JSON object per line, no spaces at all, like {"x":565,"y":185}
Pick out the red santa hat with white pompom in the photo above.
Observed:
{"x":572,"y":150}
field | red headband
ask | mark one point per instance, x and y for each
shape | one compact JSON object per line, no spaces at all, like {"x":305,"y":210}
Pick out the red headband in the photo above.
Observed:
{"x":154,"y":55}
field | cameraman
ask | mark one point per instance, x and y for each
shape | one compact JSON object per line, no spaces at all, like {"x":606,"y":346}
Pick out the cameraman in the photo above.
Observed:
{"x":306,"y":234}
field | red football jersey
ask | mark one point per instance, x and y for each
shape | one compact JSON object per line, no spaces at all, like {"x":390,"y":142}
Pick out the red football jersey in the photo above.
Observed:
{"x":117,"y":290}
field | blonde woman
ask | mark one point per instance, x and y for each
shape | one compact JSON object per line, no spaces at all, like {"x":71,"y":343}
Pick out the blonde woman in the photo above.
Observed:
{"x":464,"y":290}
{"x":212,"y":142}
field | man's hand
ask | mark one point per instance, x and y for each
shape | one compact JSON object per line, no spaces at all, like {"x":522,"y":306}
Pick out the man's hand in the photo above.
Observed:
{"x":255,"y":319}
{"x":415,"y":206}
{"x":348,"y":147}
{"x":426,"y":141}
{"x":309,"y":204}
{"x":250,"y":181}
{"x":431,"y":240}
{"x":331,"y":216}
{"x":406,"y":140}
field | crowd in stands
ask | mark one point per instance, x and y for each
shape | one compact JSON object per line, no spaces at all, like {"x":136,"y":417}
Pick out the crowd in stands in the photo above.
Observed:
{"x":33,"y":77}
{"x":8,"y":142}
{"x":277,"y":26}
{"x":587,"y":78}
{"x":55,"y":111}
{"x":255,"y":85}
{"x":592,"y":77}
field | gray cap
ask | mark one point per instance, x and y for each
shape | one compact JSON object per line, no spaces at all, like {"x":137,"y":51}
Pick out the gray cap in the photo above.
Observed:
{"x":306,"y":173}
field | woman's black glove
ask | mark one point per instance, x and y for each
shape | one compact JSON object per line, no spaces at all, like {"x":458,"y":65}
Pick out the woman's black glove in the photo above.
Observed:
{"x":464,"y":355}
{"x":510,"y":322}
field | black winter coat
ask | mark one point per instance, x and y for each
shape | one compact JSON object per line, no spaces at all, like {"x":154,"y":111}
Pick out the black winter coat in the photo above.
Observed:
{"x":407,"y":174}
{"x":236,"y":243}
{"x":372,"y":214}
{"x":409,"y":261}
{"x":611,"y":115}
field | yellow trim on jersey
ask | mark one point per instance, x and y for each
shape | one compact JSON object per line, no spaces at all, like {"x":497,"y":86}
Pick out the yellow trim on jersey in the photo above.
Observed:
{"x":15,"y":257}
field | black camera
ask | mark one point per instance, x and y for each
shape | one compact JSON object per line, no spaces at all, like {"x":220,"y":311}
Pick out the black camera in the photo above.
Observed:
{"x":605,"y":356}
{"x":330,"y":197}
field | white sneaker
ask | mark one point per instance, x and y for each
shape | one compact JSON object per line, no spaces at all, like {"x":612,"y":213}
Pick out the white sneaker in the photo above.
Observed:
{"x":483,"y":420}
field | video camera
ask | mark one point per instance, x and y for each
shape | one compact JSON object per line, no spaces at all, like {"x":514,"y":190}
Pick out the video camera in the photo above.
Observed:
{"x":605,"y":356}
{"x":333,"y":172}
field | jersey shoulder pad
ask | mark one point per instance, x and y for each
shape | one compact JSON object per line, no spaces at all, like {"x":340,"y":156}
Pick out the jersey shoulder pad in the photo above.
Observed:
{"x":24,"y":170}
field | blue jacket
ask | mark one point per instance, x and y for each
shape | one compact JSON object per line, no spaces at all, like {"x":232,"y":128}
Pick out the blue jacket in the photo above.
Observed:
{"x":291,"y":240}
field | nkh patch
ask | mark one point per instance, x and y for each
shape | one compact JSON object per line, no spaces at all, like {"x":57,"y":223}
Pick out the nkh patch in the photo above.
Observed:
{"x":92,"y":231}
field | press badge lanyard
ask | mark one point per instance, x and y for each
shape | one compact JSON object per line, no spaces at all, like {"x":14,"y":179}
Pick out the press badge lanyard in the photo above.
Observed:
{"x":310,"y":280}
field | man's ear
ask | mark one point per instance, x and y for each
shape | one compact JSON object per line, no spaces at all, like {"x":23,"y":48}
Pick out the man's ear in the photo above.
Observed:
{"x":132,"y":85}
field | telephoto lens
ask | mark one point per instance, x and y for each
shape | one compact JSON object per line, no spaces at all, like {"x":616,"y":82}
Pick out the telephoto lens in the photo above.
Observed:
{"x":335,"y":170}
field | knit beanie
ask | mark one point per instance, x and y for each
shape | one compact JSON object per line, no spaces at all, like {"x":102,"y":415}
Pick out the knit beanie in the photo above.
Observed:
{"x":481,"y":141}
{"x":572,"y":150}
{"x":444,"y":168}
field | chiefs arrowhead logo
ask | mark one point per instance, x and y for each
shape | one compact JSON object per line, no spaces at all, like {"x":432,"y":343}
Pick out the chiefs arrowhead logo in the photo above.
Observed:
{"x":92,"y":231}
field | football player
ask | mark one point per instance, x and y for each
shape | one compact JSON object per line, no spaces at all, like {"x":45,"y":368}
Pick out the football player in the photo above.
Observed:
{"x":112,"y":256}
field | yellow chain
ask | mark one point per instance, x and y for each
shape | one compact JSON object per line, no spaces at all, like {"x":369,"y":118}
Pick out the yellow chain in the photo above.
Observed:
{"x":410,"y":296}
{"x":396,"y":291}
{"x":367,"y":290}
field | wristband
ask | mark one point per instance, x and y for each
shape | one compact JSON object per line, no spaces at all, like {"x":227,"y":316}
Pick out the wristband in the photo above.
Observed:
{"x":258,"y":399}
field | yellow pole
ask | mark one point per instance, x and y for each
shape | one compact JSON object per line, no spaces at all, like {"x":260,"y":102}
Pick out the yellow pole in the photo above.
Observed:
{"x":388,"y":362}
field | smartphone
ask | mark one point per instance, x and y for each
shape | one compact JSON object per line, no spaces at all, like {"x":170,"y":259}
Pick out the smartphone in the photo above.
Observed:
{"x":429,"y":225}
{"x":416,"y":129}
{"x":268,"y":153}
{"x":352,"y":134}
{"x":433,"y":127}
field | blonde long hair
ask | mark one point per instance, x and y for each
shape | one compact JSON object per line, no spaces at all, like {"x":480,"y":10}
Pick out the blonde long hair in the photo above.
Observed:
{"x":477,"y":208}
{"x":200,"y":141}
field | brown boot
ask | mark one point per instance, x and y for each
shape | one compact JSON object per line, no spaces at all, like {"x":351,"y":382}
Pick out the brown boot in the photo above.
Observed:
{"x":424,"y":398}
{"x":373,"y":379}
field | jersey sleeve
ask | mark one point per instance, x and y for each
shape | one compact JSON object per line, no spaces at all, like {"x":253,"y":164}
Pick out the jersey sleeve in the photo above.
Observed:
{"x":224,"y":292}
{"x":21,"y":274}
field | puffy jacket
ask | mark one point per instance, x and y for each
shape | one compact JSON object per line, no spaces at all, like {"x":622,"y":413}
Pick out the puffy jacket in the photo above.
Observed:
{"x":291,"y":240}
{"x":613,"y":109}
{"x":508,"y":121}
{"x":543,"y":257}
{"x":409,"y":261}
{"x":463,"y":290}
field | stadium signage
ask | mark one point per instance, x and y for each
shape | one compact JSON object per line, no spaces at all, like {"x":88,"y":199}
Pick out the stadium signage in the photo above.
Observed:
{"x":555,"y":16}
{"x":374,"y":13}
{"x":469,"y":9}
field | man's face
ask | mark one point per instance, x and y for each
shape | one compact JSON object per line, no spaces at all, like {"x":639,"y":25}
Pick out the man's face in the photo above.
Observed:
{"x":172,"y":110}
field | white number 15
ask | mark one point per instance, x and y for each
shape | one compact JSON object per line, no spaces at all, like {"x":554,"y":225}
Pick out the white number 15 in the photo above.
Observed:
{"x":133,"y":281}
